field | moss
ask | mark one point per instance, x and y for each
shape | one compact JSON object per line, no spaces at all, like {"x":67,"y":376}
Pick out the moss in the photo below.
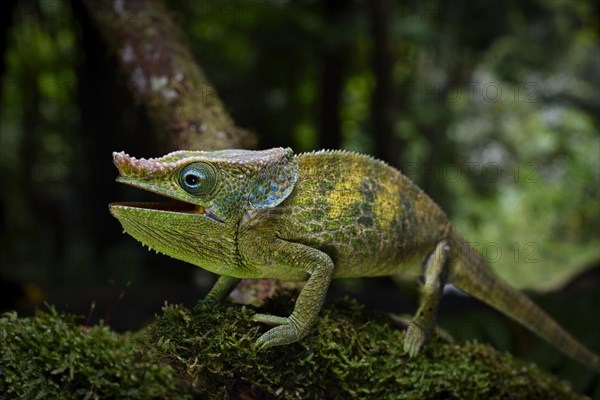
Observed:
{"x":50,"y":356}
{"x":355,"y":353}
{"x":209,"y":353}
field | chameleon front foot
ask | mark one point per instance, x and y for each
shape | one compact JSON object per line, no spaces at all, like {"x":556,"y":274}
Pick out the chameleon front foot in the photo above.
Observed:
{"x":286,"y":332}
{"x":414,"y":339}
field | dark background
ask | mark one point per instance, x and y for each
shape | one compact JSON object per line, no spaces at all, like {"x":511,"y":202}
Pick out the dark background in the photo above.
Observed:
{"x":491,"y":106}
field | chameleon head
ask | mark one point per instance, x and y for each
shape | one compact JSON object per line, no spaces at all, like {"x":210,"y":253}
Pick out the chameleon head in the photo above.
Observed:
{"x":212,"y":192}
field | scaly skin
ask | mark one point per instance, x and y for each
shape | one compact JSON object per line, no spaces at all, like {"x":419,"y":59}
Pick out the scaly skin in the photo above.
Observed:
{"x":313,"y":217}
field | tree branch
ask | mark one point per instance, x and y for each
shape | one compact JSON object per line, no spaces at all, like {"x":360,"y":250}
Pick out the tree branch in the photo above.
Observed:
{"x":164,"y":77}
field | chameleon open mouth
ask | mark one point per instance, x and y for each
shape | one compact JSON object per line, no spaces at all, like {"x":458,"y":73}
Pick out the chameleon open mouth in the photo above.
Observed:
{"x":171,"y":206}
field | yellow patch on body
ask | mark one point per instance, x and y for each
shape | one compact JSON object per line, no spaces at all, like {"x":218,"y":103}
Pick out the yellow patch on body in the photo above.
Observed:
{"x":346,"y":192}
{"x":386,"y":202}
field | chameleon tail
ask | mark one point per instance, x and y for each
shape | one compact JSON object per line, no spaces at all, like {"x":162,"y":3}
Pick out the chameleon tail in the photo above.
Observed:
{"x":471,"y":274}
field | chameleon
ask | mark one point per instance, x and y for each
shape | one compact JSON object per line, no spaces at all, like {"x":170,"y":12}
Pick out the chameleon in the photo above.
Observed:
{"x":314,"y":217}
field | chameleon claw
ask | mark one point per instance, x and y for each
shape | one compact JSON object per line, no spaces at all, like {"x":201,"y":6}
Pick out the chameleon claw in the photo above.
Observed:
{"x":278,"y":336}
{"x":285,"y":332}
{"x":414,"y":340}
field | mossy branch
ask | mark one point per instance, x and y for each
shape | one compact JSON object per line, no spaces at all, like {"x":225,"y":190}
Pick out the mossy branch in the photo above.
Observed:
{"x":164,"y":77}
{"x":209,"y":353}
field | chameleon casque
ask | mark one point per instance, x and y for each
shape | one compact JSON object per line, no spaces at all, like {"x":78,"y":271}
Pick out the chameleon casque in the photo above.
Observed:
{"x":313,"y":217}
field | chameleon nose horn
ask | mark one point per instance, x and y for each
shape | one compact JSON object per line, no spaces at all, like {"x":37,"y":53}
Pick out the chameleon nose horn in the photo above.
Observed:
{"x":131,"y":167}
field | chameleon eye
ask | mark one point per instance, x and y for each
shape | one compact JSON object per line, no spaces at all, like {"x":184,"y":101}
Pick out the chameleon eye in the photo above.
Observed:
{"x":198,"y":178}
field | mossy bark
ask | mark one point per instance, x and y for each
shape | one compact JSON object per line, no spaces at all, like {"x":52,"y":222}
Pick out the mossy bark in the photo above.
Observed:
{"x":209,"y":353}
{"x":352,"y":353}
{"x":164,"y":77}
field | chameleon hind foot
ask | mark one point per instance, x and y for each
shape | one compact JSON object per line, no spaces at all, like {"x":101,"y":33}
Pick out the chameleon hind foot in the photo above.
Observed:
{"x":436,"y":273}
{"x":414,"y":339}
{"x":286,"y":332}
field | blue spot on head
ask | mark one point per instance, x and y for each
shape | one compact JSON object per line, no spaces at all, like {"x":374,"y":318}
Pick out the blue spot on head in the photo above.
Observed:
{"x":261,"y":190}
{"x":274,"y":186}
{"x":251,"y":197}
{"x":271,"y":197}
{"x":229,"y":200}
{"x":281,"y":178}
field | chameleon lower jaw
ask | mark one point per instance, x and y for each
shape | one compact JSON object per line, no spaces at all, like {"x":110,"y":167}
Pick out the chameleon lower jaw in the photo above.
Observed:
{"x":179,"y":207}
{"x":173,"y":206}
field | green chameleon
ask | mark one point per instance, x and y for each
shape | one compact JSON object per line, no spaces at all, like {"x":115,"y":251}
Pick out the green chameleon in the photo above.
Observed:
{"x":313,"y":217}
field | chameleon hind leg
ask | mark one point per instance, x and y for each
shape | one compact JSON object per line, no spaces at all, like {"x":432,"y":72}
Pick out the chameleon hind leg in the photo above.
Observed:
{"x":436,"y":275}
{"x":319,"y":268}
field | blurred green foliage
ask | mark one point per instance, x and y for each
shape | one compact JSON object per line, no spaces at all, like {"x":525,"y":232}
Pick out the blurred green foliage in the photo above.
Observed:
{"x":39,"y":145}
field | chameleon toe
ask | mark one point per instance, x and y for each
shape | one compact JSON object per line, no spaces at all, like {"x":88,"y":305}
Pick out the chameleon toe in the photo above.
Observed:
{"x":270,"y":319}
{"x":279,"y":336}
{"x":414,"y":340}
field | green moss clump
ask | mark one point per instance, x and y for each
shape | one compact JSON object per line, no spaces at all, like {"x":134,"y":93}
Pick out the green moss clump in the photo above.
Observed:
{"x":50,"y":356}
{"x":209,"y":353}
{"x":354,"y":353}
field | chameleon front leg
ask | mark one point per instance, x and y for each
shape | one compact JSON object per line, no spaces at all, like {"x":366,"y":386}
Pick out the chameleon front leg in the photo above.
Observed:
{"x":310,"y":300}
{"x":220,"y":290}
{"x":423,"y":323}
